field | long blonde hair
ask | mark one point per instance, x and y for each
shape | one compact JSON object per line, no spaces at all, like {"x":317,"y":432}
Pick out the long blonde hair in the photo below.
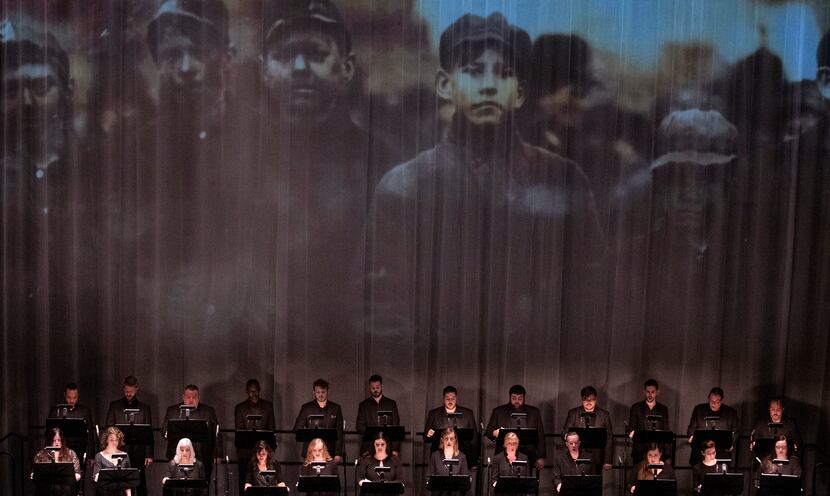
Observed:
{"x":445,"y":434}
{"x":310,"y":458}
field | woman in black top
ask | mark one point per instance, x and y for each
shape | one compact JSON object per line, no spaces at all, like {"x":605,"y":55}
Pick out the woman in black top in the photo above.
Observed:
{"x":262,"y":460}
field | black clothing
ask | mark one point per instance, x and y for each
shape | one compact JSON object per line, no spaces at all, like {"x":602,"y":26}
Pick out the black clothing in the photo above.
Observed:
{"x":244,"y":455}
{"x":790,"y":429}
{"x":792,"y":468}
{"x":329,"y":469}
{"x":102,"y":462}
{"x":563,"y":464}
{"x":437,"y":420}
{"x":81,"y":446}
{"x":254,"y":478}
{"x":500,"y":466}
{"x":728,"y":420}
{"x":172,"y":471}
{"x":137,"y":453}
{"x":599,"y":457}
{"x":637,"y":421}
{"x":366,"y":469}
{"x":699,"y":470}
{"x":50,"y":489}
{"x":501,"y":418}
{"x":437,"y":467}
{"x":204,"y":451}
{"x":641,"y":472}
{"x":367,"y":417}
{"x":332,"y":419}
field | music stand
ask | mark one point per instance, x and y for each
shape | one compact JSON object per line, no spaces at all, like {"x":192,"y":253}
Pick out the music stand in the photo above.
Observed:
{"x":720,"y":484}
{"x":656,"y":487}
{"x":648,"y":436}
{"x":763,"y":446}
{"x":74,"y":430}
{"x":392,"y":433}
{"x":592,"y":437}
{"x":306,"y":434}
{"x":137,"y":434}
{"x":247,"y":439}
{"x":190,"y":486}
{"x":319,"y":484}
{"x":53,"y":474}
{"x":449,"y":483}
{"x":581,"y":485}
{"x":511,"y":484}
{"x":267,"y":491}
{"x":780,"y":485}
{"x":381,"y":487}
{"x":118,"y":478}
{"x":194,"y":429}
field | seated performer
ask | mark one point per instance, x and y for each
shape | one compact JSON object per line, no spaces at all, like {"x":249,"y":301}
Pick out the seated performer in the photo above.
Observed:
{"x":727,"y":419}
{"x":707,"y":465}
{"x":380,"y":458}
{"x":195,"y":409}
{"x":185,"y":455}
{"x":501,"y":417}
{"x":263,"y":459}
{"x":316,"y":455}
{"x":332,"y":417}
{"x":781,"y":451}
{"x":653,"y":456}
{"x":439,"y":419}
{"x":564,"y":463}
{"x":503,"y":462}
{"x":448,"y":449}
{"x":112,"y":442}
{"x":55,"y":439}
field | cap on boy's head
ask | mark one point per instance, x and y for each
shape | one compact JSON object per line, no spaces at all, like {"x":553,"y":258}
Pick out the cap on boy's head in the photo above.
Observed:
{"x":20,"y":43}
{"x":560,"y":60}
{"x":280,"y":15}
{"x":206,"y":18}
{"x":470,"y":29}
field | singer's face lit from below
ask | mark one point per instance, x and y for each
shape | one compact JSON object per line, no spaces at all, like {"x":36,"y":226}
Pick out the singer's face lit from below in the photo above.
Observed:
{"x":710,"y":454}
{"x":56,"y":441}
{"x":449,"y":401}
{"x":253,"y":394}
{"x":317,"y":451}
{"x":589,"y":403}
{"x":775,"y":411}
{"x":781,"y":449}
{"x":573,"y":443}
{"x":380,"y":447}
{"x":511,"y":443}
{"x":190,"y":398}
{"x":449,"y":440}
{"x":653,"y":456}
{"x":184,"y":452}
{"x":71,"y":397}
{"x":517,"y":400}
{"x":112,"y":441}
{"x":651,"y":394}
{"x":262,"y":456}
{"x":715,"y":402}
{"x":129,"y":392}
{"x":321,"y":394}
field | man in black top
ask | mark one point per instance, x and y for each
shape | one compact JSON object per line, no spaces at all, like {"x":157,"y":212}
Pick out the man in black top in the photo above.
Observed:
{"x":589,"y":414}
{"x":332,"y":418}
{"x":776,"y":415}
{"x":141,"y":455}
{"x":638,"y":413}
{"x":367,"y":416}
{"x":254,"y":405}
{"x":501,"y":417}
{"x":81,"y":446}
{"x":438,"y":419}
{"x":206,"y":450}
{"x":727,"y":419}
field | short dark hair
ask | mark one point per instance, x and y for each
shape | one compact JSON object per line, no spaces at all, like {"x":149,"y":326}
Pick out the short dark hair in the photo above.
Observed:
{"x":823,"y":51}
{"x":252,"y":382}
{"x":716,"y":391}
{"x":651,"y":382}
{"x":131,"y":381}
{"x":449,"y":389}
{"x":776,"y":400}
{"x":588,"y":391}
{"x":376,"y":378}
{"x":70,"y":386}
{"x":517,"y":389}
{"x":320,"y":383}
{"x":191,"y":387}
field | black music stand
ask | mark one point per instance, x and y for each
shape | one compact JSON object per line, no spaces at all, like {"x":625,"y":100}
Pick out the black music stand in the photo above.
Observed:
{"x":187,"y":486}
{"x":306,"y":434}
{"x":267,"y":491}
{"x":247,"y":439}
{"x":381,"y":487}
{"x":763,"y":446}
{"x":118,"y":478}
{"x":74,"y":430}
{"x":581,"y":485}
{"x":721,"y":437}
{"x":319,"y":484}
{"x":53,"y":474}
{"x":392,"y":433}
{"x":648,"y":436}
{"x":528,"y":436}
{"x":656,"y":487}
{"x":194,"y":429}
{"x":780,"y":485}
{"x":592,"y":437}
{"x":137,"y":434}
{"x":722,"y":484}
{"x":511,"y":484}
{"x":449,"y":483}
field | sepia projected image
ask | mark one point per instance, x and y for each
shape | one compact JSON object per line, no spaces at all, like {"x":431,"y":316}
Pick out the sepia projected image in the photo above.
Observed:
{"x":456,"y":194}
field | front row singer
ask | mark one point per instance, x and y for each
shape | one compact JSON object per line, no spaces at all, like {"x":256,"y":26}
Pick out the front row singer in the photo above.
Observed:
{"x":263,"y":461}
{"x":57,"y":451}
{"x":112,"y":443}
{"x":184,"y":465}
{"x":380,"y":458}
{"x":653,"y":456}
{"x":503,"y":462}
